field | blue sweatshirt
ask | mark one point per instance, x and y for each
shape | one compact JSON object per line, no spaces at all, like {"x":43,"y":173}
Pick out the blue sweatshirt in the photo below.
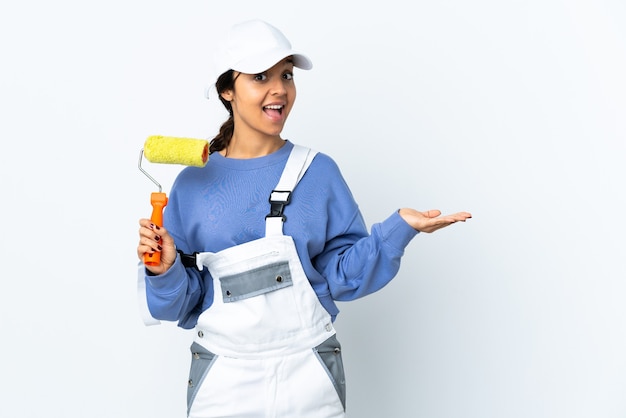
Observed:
{"x":224,"y":204}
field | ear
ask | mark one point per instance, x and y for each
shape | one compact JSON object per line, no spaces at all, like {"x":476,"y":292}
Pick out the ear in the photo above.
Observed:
{"x":227,"y":95}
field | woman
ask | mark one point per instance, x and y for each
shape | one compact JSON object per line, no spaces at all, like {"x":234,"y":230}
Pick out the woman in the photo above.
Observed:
{"x":258,"y":245}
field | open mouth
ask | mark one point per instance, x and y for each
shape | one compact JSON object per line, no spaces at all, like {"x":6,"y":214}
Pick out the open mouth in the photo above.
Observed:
{"x":274,"y":109}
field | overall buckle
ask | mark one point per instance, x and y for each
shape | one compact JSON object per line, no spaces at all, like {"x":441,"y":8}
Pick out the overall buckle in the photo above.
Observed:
{"x":278,"y":199}
{"x":188,"y":260}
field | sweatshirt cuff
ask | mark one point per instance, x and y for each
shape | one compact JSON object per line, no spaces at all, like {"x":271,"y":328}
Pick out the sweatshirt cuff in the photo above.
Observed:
{"x":166,"y":282}
{"x":397,"y":232}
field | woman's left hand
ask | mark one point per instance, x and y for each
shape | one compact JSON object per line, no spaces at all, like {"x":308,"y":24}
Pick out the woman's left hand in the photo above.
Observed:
{"x":431,"y":220}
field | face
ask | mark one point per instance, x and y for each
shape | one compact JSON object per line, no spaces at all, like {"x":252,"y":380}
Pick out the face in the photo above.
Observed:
{"x":261,"y":102}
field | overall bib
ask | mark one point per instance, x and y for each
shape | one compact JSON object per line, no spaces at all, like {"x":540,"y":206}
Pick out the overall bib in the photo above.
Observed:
{"x":266,"y":347}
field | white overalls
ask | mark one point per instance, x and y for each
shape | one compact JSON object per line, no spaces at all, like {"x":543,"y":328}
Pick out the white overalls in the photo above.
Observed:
{"x":266,"y":347}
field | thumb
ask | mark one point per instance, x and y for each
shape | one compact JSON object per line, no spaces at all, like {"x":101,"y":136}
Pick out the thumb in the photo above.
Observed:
{"x":433,"y":213}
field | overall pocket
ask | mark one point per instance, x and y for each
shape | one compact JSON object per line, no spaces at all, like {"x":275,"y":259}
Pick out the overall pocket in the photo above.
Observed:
{"x":201,"y":362}
{"x":329,"y":355}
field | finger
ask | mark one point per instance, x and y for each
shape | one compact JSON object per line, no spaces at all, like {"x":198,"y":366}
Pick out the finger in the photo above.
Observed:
{"x":147,"y":245}
{"x":149,"y":229}
{"x":461,"y":216}
{"x":433,"y":213}
{"x":146,"y":223}
{"x":144,"y":249}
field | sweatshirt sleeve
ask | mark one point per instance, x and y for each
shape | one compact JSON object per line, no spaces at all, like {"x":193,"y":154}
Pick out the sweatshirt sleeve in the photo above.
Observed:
{"x":356,"y":264}
{"x":176,"y":294}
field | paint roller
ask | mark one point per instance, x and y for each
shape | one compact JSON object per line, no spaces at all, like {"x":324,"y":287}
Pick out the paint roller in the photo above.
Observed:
{"x":169,"y":150}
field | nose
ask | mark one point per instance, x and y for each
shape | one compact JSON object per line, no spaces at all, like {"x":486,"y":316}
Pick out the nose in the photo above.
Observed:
{"x":278,"y":87}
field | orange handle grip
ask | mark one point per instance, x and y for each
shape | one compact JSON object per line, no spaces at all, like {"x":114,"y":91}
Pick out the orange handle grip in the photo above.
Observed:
{"x":158,"y":202}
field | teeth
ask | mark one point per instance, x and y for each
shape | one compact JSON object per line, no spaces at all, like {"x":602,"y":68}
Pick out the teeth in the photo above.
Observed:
{"x":274,"y":107}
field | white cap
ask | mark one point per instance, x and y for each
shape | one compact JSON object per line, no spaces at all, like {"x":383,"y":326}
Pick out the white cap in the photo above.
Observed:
{"x":254,"y":46}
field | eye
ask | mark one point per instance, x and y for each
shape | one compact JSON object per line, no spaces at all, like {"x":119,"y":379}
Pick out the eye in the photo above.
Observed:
{"x":288,"y":76}
{"x":260,"y":77}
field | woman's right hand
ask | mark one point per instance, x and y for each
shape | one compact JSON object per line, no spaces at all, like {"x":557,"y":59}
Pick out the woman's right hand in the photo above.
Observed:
{"x":154,"y":238}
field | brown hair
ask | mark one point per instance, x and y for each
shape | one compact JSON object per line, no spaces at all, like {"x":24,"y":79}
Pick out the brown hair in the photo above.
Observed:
{"x":224,"y":82}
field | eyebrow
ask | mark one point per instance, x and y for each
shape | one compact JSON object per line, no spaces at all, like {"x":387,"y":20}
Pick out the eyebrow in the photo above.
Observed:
{"x":286,"y":60}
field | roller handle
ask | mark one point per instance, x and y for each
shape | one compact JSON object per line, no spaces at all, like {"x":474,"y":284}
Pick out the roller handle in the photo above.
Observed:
{"x":158,"y":202}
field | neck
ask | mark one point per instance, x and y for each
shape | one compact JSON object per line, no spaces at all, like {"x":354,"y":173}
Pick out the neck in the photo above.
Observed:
{"x":243,"y":149}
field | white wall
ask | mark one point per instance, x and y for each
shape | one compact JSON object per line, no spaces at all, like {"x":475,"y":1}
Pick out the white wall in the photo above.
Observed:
{"x":512,"y":110}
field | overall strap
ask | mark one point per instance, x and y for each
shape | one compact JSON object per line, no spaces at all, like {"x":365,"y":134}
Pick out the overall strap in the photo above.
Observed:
{"x":297,"y":164}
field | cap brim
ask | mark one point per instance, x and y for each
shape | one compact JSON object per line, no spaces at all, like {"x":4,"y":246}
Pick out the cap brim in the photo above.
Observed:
{"x":265,"y":61}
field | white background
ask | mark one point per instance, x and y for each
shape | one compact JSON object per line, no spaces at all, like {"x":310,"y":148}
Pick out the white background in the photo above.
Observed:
{"x":512,"y":110}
